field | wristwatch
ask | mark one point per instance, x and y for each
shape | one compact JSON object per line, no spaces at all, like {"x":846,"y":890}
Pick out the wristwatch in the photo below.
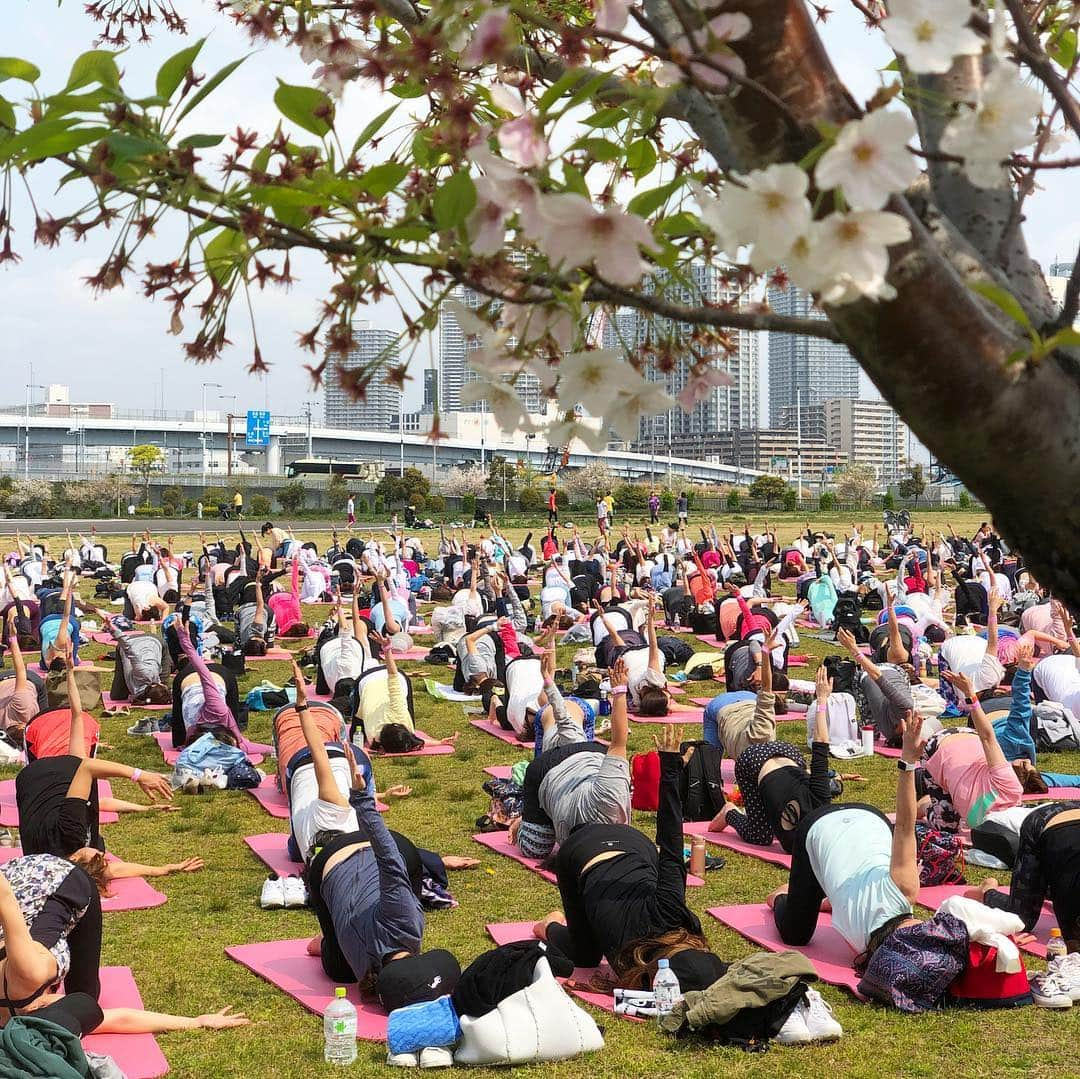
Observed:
{"x":906,"y":766}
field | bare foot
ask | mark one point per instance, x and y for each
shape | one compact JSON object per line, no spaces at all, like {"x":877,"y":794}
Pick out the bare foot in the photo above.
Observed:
{"x":453,"y":861}
{"x":314,"y":946}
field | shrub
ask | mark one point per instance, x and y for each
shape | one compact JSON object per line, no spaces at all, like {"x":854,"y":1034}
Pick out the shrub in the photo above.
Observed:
{"x":887,"y":501}
{"x":826,"y":501}
{"x":378,"y":505}
{"x":261,"y":506}
{"x":734,"y":500}
{"x":292,"y":496}
{"x":530,"y":500}
{"x":468,"y":505}
{"x":436,"y":504}
{"x":791,"y":500}
{"x":631,"y":498}
{"x":667,"y":502}
{"x":964,"y":501}
{"x":562,"y":500}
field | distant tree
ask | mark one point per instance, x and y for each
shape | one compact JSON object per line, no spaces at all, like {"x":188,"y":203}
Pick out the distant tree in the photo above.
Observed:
{"x":912,"y":483}
{"x":460,"y":482}
{"x":337,"y":491}
{"x":768,"y":489}
{"x":412,"y":488}
{"x":734,"y":500}
{"x":590,"y":481}
{"x":30,"y":497}
{"x":144,"y":459}
{"x":530,"y":500}
{"x":791,"y":499}
{"x":964,"y":501}
{"x":856,"y":484}
{"x":826,"y":500}
{"x":292,"y":496}
{"x":261,"y":506}
{"x":501,"y":479}
{"x":631,"y":498}
{"x":887,"y":501}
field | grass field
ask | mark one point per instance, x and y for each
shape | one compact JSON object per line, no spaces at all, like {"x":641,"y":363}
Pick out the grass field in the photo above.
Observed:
{"x":177,"y":951}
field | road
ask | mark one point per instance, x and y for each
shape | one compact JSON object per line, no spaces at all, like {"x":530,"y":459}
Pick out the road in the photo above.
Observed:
{"x":52,"y":526}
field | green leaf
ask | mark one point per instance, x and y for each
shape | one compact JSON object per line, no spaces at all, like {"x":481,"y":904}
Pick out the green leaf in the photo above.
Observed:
{"x":574,"y":180}
{"x":569,"y":79}
{"x":681,"y":224}
{"x":421,"y":149}
{"x":599,"y":149}
{"x":210,"y":86}
{"x":97,"y":66}
{"x":1004,"y":300}
{"x":1063,"y":49}
{"x":380,"y":180}
{"x":261,"y":161}
{"x":648,"y":202}
{"x":373,"y":128}
{"x":7,"y":114}
{"x":124,"y":147}
{"x":305,"y":105}
{"x":223,"y":253}
{"x":48,"y":138}
{"x":11,"y":67}
{"x":605,"y":117}
{"x":408,"y":89}
{"x":454,"y":201}
{"x":201,"y":142}
{"x":173,"y":72}
{"x":641,"y":158}
{"x":1067,"y":338}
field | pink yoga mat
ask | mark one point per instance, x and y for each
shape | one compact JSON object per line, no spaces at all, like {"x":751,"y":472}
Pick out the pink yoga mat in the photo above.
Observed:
{"x":511,"y":739}
{"x":9,"y":810}
{"x":886,"y":751}
{"x":1056,"y":794}
{"x":110,"y":705}
{"x":933,"y":898}
{"x":512,"y":932}
{"x":133,"y":893}
{"x":276,"y":803}
{"x":697,"y":716}
{"x":499,"y":771}
{"x":499,"y":843}
{"x":273,"y":655}
{"x":164,"y":741}
{"x":773,"y":854}
{"x":138,"y":1056}
{"x":271,"y":848}
{"x":286,"y":965}
{"x":828,"y":951}
{"x":414,"y":653}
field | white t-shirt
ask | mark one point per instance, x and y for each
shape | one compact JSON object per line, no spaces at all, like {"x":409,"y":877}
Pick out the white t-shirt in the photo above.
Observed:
{"x":1059,"y":678}
{"x":342,"y":657}
{"x":142,"y":595}
{"x":964,"y":654}
{"x":640,"y":674}
{"x":308,"y":812}
{"x":850,"y":852}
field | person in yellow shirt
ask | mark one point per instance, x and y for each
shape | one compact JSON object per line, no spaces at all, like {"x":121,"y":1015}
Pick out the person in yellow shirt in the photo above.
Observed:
{"x":238,"y":506}
{"x":610,"y":509}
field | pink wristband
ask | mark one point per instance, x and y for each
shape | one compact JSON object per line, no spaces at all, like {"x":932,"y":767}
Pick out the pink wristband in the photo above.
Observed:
{"x":618,"y":691}
{"x":135,"y":775}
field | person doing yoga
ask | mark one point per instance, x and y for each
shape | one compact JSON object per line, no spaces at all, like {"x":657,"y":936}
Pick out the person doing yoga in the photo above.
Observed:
{"x":626,"y":902}
{"x":777,"y":789}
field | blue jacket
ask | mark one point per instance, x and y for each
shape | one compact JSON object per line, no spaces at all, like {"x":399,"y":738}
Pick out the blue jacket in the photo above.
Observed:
{"x":1014,"y":731}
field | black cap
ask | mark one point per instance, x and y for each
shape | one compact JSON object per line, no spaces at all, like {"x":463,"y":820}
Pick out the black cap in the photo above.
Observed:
{"x":414,"y":978}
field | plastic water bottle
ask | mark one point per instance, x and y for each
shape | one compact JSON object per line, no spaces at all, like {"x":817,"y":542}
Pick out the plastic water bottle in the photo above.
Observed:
{"x":665,"y":989}
{"x":677,"y":624}
{"x":868,"y":734}
{"x":605,"y":698}
{"x":339,"y":1030}
{"x":1056,"y":946}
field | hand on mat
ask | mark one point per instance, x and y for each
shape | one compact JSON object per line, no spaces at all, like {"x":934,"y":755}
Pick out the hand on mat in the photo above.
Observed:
{"x":771,"y":898}
{"x":155,"y":807}
{"x":449,"y":740}
{"x":851,"y":777}
{"x":314,"y":946}
{"x":222,"y":1020}
{"x":540,"y":930}
{"x":398,"y":790}
{"x":669,"y":741}
{"x":188,"y":865}
{"x":456,"y":861}
{"x":155,"y":786}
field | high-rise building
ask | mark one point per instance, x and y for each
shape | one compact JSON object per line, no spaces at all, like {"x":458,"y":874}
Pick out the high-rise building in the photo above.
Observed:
{"x":723,"y":407}
{"x":805,"y":370}
{"x":868,"y":433}
{"x":454,"y":369}
{"x":380,"y":407}
{"x":1057,"y":281}
{"x":431,"y":392}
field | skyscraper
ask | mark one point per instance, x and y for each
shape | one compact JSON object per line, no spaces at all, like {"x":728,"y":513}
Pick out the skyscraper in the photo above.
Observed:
{"x":454,"y":370}
{"x":431,"y":391}
{"x":380,"y":406}
{"x":723,"y":407}
{"x":805,"y":370}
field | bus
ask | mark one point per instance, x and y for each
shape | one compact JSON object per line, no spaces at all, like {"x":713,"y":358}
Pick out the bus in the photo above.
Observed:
{"x":366,"y":471}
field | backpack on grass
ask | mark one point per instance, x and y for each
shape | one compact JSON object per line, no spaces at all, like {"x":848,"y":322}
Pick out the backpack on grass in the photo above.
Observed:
{"x":701,"y":790}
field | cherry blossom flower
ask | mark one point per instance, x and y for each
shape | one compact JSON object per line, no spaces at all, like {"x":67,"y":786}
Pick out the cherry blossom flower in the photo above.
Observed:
{"x":531,"y":322}
{"x":854,"y":254}
{"x":502,"y":399}
{"x":491,"y":357}
{"x":870,"y":159}
{"x":1001,"y":122}
{"x":591,"y":378}
{"x":522,"y":139}
{"x":930,"y":34}
{"x":486,"y":225}
{"x":515,"y":189}
{"x":575,"y":233}
{"x":639,"y":399}
{"x":709,"y":41}
{"x":568,"y":431}
{"x":489,"y":39}
{"x":700,"y":383}
{"x":803,"y":261}
{"x":611,"y":15}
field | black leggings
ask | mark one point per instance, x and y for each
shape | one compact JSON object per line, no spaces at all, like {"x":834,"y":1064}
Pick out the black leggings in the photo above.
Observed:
{"x":78,"y":1013}
{"x":796,"y":914}
{"x":1061,"y":857}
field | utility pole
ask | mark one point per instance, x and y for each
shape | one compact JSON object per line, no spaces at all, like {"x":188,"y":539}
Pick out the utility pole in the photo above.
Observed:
{"x":798,"y":434}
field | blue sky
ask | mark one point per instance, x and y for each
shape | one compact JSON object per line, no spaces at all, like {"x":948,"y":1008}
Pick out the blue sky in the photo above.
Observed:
{"x":96,"y":345}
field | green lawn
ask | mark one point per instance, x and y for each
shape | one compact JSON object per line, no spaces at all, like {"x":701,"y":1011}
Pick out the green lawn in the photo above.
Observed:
{"x":177,"y":951}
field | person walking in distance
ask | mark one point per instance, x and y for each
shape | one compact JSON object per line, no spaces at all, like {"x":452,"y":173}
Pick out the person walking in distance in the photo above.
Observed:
{"x":350,"y":512}
{"x":238,"y":505}
{"x":552,"y":507}
{"x":654,"y":507}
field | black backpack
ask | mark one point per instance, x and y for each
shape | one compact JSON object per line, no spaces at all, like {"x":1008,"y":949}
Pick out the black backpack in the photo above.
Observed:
{"x":676,"y":652}
{"x":846,"y":616}
{"x":843,"y":672}
{"x":700,"y":788}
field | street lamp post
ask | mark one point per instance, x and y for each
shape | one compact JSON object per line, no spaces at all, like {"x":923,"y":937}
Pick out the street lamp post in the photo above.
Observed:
{"x":205,"y":387}
{"x":31,"y":385}
{"x":230,"y":397}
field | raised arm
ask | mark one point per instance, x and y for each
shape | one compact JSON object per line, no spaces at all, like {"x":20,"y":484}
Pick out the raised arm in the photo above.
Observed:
{"x":980,"y":722}
{"x":612,"y":631}
{"x":903,"y":865}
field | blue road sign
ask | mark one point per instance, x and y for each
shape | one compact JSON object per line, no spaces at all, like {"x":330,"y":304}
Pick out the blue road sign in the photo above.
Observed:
{"x":258,"y":428}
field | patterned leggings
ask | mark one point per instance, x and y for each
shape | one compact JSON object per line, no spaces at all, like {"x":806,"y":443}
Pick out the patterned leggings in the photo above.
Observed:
{"x":753,"y":823}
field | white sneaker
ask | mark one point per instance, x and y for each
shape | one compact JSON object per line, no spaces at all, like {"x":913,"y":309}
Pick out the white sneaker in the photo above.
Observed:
{"x":295,"y":893}
{"x":1049,"y":991}
{"x":1066,"y":970}
{"x":273,"y":894}
{"x":436,"y":1057}
{"x":403,"y":1060}
{"x":820,"y":1020}
{"x":795,"y":1031}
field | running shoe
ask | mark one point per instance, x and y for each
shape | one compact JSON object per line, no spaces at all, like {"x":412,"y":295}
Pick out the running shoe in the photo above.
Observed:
{"x":1066,"y":970}
{"x":403,"y":1060}
{"x":795,"y":1030}
{"x":1050,"y":991}
{"x":820,"y":1020}
{"x":435,"y":1056}
{"x":273,"y":894}
{"x":295,"y":893}
{"x":145,"y":727}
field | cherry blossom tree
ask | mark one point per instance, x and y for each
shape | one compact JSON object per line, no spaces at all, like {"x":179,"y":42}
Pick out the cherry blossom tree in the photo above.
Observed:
{"x":569,"y":157}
